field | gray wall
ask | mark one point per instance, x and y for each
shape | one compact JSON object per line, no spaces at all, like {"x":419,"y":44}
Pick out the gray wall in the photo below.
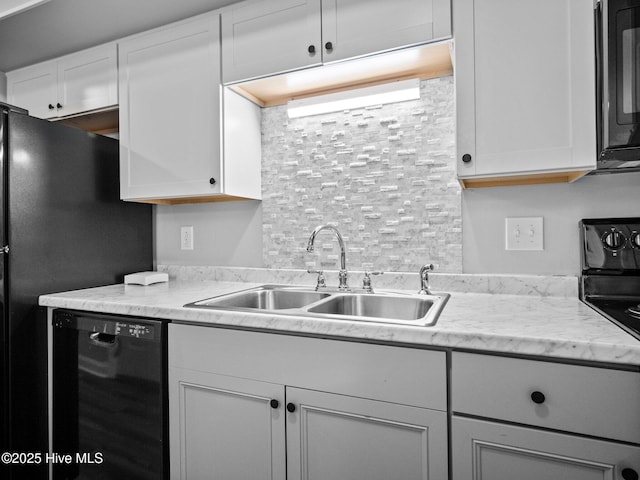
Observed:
{"x":3,"y":87}
{"x":561,"y":206}
{"x":225,"y":234}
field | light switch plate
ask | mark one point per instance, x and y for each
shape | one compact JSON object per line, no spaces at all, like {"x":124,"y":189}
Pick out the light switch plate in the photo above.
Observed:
{"x":524,"y":233}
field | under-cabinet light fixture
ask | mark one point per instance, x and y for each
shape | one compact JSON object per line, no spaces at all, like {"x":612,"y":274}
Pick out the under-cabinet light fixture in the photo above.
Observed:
{"x":392,"y":92}
{"x":13,"y":7}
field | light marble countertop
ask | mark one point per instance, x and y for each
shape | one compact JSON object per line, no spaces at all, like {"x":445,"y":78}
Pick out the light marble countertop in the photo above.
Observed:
{"x":534,"y":320}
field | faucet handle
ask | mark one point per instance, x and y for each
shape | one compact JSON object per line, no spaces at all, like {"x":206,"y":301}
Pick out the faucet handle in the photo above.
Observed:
{"x":366,"y":281}
{"x":320,"y":283}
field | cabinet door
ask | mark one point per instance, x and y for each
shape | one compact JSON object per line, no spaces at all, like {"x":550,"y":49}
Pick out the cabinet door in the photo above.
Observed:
{"x":489,"y":451}
{"x":88,"y":80}
{"x":338,"y":437}
{"x":170,"y":111}
{"x":34,"y":88}
{"x":225,"y":428}
{"x":354,"y":28}
{"x":525,"y":86}
{"x":270,"y":36}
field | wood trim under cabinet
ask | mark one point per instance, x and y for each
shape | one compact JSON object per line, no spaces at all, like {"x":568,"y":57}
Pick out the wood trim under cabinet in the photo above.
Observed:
{"x":528,"y":179}
{"x":102,"y":121}
{"x":180,"y":201}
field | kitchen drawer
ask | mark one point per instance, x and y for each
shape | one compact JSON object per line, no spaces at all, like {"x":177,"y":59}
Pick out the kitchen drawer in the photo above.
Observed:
{"x":588,"y":400}
{"x":407,"y":376}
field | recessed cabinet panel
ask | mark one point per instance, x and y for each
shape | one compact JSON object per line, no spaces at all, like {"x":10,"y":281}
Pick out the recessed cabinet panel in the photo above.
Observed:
{"x":525,"y":89}
{"x":34,"y":88}
{"x":270,"y":37}
{"x":225,"y":428}
{"x":490,"y":451}
{"x":355,"y":28}
{"x":88,"y":80}
{"x":333,"y":436}
{"x":170,"y":111}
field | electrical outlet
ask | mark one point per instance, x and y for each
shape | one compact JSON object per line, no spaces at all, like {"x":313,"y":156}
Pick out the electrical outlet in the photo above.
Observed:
{"x":524,"y":233}
{"x":186,"y":238}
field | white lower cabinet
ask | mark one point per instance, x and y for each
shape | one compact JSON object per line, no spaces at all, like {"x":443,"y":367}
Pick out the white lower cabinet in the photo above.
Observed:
{"x":225,"y":427}
{"x":542,"y":420}
{"x":484,"y":450}
{"x":251,"y":405}
{"x":248,"y":405}
{"x":339,"y":437}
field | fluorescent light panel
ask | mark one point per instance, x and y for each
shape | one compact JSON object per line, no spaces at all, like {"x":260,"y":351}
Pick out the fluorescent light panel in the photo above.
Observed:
{"x":362,"y":97}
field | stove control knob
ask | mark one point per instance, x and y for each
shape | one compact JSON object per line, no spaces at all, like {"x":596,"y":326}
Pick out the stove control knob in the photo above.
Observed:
{"x":614,"y":240}
{"x":635,"y":239}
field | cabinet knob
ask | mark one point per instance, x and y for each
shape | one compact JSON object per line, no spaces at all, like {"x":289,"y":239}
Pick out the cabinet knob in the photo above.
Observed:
{"x":274,"y":403}
{"x":466,"y":158}
{"x":328,"y":46}
{"x":291,"y":407}
{"x":629,"y":474}
{"x":311,"y":49}
{"x":58,"y":105}
{"x":538,"y":397}
{"x":51,"y":107}
{"x":212,"y":181}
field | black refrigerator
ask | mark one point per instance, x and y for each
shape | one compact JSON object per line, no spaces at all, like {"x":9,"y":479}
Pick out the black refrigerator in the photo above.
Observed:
{"x":62,"y":227}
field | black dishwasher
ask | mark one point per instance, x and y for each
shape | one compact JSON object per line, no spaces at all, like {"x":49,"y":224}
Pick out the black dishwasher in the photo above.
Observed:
{"x":109,"y":397}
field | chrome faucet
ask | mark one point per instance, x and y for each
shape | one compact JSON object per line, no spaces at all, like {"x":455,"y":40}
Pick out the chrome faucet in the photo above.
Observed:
{"x":424,"y":279}
{"x":342,"y":275}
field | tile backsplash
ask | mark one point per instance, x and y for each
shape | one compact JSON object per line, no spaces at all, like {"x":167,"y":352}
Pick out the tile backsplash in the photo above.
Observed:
{"x":384,"y":176}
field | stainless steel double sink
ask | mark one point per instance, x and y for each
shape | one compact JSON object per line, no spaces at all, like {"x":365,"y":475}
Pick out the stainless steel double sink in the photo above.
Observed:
{"x":381,"y":307}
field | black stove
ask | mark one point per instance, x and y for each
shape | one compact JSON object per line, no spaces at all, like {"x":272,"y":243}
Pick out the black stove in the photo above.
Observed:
{"x":610,"y":281}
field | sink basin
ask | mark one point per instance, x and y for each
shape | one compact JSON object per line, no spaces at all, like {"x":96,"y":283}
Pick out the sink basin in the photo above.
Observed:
{"x":405,"y":309}
{"x":378,"y":306}
{"x":267,"y":297}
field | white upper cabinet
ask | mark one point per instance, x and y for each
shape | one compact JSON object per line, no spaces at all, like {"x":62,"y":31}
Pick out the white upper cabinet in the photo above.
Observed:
{"x":269,"y":37}
{"x":265,"y":37}
{"x":88,"y":80}
{"x":171,"y":140}
{"x":525,"y":90}
{"x":81,"y":82}
{"x":351,"y":28}
{"x":34,"y":88}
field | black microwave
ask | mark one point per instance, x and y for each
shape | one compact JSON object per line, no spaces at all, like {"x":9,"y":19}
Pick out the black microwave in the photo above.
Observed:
{"x":618,"y":84}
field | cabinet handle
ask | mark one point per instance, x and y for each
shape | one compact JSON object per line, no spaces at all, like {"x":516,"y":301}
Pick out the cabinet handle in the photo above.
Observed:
{"x":328,"y":46}
{"x":51,"y":107}
{"x":58,"y":105}
{"x":212,"y":181}
{"x":291,"y":407}
{"x":311,"y":49}
{"x":466,"y":158}
{"x":538,"y":397}
{"x":629,"y":474}
{"x":274,"y":403}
